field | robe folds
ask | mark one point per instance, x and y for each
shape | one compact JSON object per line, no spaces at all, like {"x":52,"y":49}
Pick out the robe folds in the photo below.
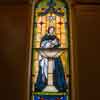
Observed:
{"x":58,"y":73}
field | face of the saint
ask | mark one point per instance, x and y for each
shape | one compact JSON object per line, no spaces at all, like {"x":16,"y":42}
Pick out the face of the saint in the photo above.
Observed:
{"x":51,"y":30}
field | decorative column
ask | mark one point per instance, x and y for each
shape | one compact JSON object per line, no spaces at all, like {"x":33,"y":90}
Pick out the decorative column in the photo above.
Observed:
{"x":50,"y":87}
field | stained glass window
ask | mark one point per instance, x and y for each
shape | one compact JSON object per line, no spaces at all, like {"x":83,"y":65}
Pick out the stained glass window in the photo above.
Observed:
{"x":50,"y":51}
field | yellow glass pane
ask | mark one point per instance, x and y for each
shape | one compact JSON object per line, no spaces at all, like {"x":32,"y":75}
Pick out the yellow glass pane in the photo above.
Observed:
{"x":35,"y":56}
{"x":58,"y":28}
{"x":62,"y":11}
{"x":58,"y":33}
{"x":38,"y":37}
{"x":62,"y":19}
{"x":54,"y":17}
{"x":35,"y":78}
{"x":63,"y":59}
{"x":63,"y":37}
{"x":38,"y":11}
{"x":53,"y":23}
{"x":38,"y":28}
{"x":36,"y":66}
{"x":63,"y":45}
{"x":48,"y":22}
{"x":64,"y":40}
{"x":35,"y":37}
{"x":44,"y":19}
{"x":37,"y":44}
{"x":43,"y":29}
{"x":48,"y":25}
{"x":58,"y":36}
{"x":57,"y":19}
{"x":62,"y":28}
{"x":39,"y":19}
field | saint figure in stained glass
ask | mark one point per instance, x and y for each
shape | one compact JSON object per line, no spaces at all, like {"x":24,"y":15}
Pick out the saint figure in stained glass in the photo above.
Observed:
{"x":50,"y":52}
{"x":50,"y":41}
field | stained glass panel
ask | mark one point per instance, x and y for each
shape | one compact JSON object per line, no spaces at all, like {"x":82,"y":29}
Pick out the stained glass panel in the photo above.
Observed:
{"x":50,"y":52}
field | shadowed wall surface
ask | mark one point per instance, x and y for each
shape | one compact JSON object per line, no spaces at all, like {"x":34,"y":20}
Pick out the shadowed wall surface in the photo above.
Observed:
{"x":14,"y":34}
{"x":88,"y":33}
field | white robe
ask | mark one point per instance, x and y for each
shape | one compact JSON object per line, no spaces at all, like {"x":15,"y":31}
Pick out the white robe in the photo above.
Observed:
{"x":44,"y":61}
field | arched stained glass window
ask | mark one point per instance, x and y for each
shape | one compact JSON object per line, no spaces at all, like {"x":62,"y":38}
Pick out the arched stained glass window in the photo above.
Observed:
{"x":50,"y":51}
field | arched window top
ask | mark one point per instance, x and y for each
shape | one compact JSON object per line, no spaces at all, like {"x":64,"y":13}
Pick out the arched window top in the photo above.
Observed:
{"x":43,"y":3}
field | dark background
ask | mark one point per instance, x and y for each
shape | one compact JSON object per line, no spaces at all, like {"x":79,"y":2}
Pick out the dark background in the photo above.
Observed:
{"x":15,"y":17}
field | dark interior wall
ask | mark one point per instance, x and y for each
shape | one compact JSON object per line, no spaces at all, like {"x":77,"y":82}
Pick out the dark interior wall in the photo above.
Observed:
{"x":14,"y":37}
{"x":88,"y":50}
{"x":88,"y":1}
{"x":14,"y":34}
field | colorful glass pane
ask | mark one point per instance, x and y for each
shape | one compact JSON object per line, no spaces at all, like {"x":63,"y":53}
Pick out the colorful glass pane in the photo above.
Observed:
{"x":50,"y":52}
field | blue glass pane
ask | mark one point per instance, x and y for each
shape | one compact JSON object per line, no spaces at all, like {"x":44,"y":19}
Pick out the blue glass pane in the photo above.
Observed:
{"x":41,"y":97}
